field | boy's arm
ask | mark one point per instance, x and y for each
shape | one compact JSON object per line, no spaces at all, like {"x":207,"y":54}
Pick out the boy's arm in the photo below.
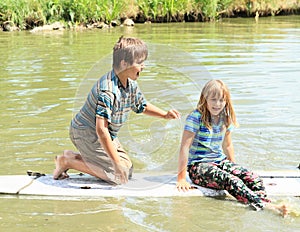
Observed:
{"x":152,"y":110}
{"x":106,"y":142}
{"x":228,"y":147}
{"x":186,"y":142}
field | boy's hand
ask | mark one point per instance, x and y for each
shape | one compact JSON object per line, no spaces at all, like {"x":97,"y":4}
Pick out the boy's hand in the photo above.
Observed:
{"x":121,"y":176}
{"x":172,"y":114}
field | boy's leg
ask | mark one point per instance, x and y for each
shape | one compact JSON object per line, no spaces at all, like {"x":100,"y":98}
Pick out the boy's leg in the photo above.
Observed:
{"x":92,"y":158}
{"x":72,"y":160}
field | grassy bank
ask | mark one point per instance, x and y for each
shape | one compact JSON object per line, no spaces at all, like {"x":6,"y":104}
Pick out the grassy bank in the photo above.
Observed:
{"x":27,"y":14}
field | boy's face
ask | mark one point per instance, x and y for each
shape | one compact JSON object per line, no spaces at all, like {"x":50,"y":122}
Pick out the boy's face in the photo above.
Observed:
{"x":133,"y":71}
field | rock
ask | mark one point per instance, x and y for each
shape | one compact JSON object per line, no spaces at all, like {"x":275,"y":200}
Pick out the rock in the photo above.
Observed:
{"x":115,"y":23}
{"x":53,"y":27}
{"x":102,"y":25}
{"x":90,"y":26}
{"x":128,"y":22}
{"x":57,"y":26}
{"x":9,"y":26}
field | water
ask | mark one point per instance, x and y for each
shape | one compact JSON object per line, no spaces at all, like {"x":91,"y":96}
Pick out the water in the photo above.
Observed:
{"x":46,"y":76}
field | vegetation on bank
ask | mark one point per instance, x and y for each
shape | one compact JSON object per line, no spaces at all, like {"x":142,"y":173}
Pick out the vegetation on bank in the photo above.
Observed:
{"x":27,"y":14}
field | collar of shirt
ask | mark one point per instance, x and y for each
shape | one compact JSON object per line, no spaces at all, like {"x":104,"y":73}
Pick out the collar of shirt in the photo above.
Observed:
{"x":119,"y":83}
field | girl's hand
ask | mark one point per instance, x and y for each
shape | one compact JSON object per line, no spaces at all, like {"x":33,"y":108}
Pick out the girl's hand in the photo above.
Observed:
{"x":183,"y":185}
{"x":172,"y":114}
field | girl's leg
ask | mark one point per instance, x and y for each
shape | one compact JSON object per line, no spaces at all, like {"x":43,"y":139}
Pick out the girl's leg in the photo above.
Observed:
{"x":211,"y":176}
{"x":250,"y":179}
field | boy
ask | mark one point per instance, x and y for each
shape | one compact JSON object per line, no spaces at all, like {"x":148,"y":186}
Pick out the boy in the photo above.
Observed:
{"x":94,"y":128}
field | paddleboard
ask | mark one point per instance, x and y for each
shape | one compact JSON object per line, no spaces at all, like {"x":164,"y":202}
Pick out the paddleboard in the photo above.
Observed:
{"x":141,"y":185}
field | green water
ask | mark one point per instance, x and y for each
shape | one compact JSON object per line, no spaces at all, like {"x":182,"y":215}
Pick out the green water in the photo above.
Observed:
{"x":45,"y":77}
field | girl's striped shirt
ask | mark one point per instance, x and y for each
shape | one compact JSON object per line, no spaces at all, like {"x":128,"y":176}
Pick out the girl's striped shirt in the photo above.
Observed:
{"x":207,"y":144}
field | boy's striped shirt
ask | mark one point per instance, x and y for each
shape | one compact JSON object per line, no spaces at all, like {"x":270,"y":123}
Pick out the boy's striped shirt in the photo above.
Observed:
{"x":110,"y":100}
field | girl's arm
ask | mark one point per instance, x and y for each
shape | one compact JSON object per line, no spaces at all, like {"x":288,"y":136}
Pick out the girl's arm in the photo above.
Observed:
{"x":152,"y":110}
{"x":186,"y":142}
{"x":228,"y":147}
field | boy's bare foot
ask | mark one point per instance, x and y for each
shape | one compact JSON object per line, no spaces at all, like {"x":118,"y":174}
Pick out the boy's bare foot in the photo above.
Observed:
{"x":60,"y":171}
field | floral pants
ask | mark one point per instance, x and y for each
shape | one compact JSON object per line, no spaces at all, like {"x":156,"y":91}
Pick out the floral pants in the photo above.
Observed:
{"x":239,"y":182}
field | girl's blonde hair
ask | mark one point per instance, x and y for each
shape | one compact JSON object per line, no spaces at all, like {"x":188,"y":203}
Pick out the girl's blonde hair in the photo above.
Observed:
{"x":219,"y":89}
{"x":130,"y":50}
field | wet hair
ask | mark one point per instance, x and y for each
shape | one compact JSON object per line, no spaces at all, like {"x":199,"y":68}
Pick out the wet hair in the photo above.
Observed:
{"x":216,"y":88}
{"x":130,"y":50}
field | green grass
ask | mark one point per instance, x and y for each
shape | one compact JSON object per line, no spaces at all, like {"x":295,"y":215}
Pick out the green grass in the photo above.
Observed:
{"x":27,"y":14}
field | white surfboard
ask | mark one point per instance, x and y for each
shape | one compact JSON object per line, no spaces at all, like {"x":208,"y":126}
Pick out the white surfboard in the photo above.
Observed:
{"x":141,"y":185}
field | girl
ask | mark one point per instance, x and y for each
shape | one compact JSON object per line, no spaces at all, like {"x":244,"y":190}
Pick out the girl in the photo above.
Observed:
{"x":207,"y":152}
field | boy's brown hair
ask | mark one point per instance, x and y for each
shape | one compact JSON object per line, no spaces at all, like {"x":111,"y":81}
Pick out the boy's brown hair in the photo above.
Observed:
{"x":130,"y":50}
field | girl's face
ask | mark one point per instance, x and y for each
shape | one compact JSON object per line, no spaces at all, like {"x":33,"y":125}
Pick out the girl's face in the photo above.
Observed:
{"x":215,"y":104}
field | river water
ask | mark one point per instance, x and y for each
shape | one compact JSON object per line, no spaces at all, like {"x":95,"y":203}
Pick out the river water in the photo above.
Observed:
{"x":46,"y":76}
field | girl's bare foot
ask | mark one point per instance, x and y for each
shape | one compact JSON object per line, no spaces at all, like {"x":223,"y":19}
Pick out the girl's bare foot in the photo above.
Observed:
{"x":282,"y":209}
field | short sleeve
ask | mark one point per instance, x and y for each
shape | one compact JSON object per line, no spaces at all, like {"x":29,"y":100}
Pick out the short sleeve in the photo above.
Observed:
{"x":104,"y":105}
{"x":139,"y":102}
{"x":192,"y":122}
{"x":230,"y":128}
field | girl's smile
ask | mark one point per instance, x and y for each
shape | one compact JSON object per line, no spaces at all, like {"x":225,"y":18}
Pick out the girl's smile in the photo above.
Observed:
{"x":215,"y":105}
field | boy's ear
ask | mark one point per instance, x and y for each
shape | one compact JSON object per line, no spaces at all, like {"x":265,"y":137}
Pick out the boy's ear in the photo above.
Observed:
{"x":123,"y":64}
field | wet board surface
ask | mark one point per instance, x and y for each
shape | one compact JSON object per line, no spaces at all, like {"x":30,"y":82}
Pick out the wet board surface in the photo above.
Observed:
{"x":141,"y":185}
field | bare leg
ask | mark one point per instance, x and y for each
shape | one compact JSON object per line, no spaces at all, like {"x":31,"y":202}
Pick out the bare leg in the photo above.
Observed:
{"x":57,"y":174}
{"x":73,"y":160}
{"x":282,"y":209}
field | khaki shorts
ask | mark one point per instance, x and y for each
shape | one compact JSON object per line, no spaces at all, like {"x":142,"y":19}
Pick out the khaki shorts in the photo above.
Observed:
{"x":91,"y":151}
